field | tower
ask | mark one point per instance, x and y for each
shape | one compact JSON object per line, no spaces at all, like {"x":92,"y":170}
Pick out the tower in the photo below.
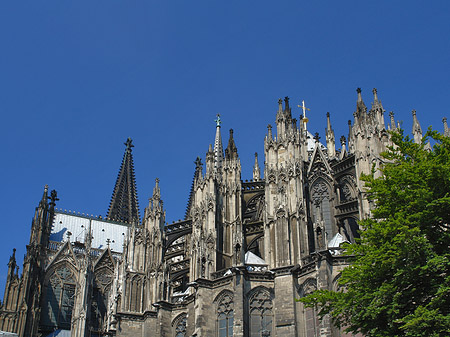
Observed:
{"x":124,"y":203}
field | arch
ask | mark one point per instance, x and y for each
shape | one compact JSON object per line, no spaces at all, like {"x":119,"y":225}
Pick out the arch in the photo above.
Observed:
{"x":224,"y":314}
{"x":179,"y":324}
{"x":311,"y":322}
{"x":307,"y":287}
{"x":260,"y":310}
{"x":59,"y":296}
{"x":320,"y":193}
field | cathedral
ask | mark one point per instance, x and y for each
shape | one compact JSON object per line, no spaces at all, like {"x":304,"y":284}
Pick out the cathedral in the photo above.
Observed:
{"x":237,"y":263}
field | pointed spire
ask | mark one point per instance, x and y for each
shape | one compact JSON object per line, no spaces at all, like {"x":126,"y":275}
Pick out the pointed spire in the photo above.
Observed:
{"x":44,"y":196}
{"x":360,"y":106}
{"x":156,"y":190}
{"x":280,"y":105}
{"x":12,"y":259}
{"x":124,"y":203}
{"x":218,"y":148}
{"x":197,"y":176}
{"x":256,"y":170}
{"x":269,"y":131}
{"x":392,"y":120}
{"x":286,"y":104}
{"x":231,"y":150}
{"x":343,"y":149}
{"x":416,"y":129}
{"x":446,"y":130}
{"x":329,"y":133}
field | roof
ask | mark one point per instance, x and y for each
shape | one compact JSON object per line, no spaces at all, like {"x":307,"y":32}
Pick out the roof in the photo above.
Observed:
{"x":253,"y":259}
{"x":336,"y":241}
{"x":77,"y":225}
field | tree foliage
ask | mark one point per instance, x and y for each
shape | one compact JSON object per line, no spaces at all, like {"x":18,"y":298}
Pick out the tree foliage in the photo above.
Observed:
{"x":399,"y":281}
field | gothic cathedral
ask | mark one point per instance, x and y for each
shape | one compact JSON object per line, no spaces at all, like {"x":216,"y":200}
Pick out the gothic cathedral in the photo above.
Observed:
{"x":234,"y":266}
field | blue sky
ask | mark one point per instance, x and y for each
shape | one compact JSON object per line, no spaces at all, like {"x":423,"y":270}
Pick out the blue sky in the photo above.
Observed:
{"x":79,"y":77}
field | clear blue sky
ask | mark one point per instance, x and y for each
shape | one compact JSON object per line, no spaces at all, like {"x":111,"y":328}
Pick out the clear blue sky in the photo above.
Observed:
{"x":79,"y":77}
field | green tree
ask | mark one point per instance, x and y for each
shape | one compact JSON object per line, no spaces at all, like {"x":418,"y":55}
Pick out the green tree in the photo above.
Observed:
{"x":399,"y":281}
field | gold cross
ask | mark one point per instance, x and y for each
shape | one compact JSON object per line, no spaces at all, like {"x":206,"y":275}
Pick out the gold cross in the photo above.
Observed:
{"x":304,"y":108}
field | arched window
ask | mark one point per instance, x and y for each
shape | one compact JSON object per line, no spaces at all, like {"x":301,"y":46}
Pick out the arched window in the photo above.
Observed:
{"x":179,"y":326}
{"x":225,"y":316}
{"x":260,"y":314}
{"x":59,"y":299}
{"x":320,"y":196}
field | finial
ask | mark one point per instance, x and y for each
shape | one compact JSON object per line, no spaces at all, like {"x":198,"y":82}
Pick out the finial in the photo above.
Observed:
{"x":269,"y":131}
{"x":316,"y":137}
{"x":280,"y":105}
{"x":391,"y":114}
{"x":349,"y":122}
{"x":358,"y":90}
{"x":198,"y":164}
{"x":286,"y":103}
{"x":328,"y":115}
{"x":414,"y":112}
{"x":218,"y":120}
{"x":53,"y":197}
{"x":446,"y":130}
{"x":108,"y":241}
{"x":129,"y":144}
{"x":375,"y":96}
{"x":342,"y":140}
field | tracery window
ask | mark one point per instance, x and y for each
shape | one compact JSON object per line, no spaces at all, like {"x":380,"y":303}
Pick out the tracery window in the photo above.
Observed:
{"x":180,"y":325}
{"x":260,"y":314}
{"x":320,"y":196}
{"x":225,"y":318}
{"x":59,"y":298}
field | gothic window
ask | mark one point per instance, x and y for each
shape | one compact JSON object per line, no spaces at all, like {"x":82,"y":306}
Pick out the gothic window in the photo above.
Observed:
{"x":320,"y":196}
{"x":311,"y":318}
{"x":59,"y":299}
{"x":225,"y":316}
{"x":179,"y":325}
{"x":260,"y":314}
{"x":101,"y":289}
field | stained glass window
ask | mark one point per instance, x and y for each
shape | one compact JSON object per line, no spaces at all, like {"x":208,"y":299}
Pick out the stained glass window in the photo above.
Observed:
{"x":225,"y":316}
{"x":59,"y":299}
{"x":260,"y":314}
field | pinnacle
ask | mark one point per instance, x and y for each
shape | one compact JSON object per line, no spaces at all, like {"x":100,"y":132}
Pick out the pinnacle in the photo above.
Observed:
{"x":124,"y":204}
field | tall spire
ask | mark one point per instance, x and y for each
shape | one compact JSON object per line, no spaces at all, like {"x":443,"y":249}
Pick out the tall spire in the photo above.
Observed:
{"x":197,"y":176}
{"x":331,"y":147}
{"x":360,"y":106}
{"x":256,"y":169}
{"x":124,"y":203}
{"x":218,"y":148}
{"x":231,"y":150}
{"x":416,"y":129}
{"x":446,"y":129}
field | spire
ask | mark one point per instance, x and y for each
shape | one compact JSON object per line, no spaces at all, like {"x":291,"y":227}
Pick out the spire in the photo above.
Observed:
{"x":231,"y":150}
{"x":218,"y":148}
{"x":416,"y":129}
{"x":256,"y":170}
{"x":331,"y":147}
{"x":446,"y":130}
{"x":378,"y":110}
{"x":124,"y":203}
{"x":343,"y":149}
{"x":392,"y":120}
{"x":44,"y":196}
{"x":360,"y":106}
{"x":197,"y":176}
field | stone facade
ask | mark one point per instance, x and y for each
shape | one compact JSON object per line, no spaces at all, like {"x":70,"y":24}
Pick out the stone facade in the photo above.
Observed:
{"x":234,"y":266}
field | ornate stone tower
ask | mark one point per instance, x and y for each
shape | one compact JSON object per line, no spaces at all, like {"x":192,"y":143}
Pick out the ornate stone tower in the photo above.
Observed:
{"x":285,"y":227}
